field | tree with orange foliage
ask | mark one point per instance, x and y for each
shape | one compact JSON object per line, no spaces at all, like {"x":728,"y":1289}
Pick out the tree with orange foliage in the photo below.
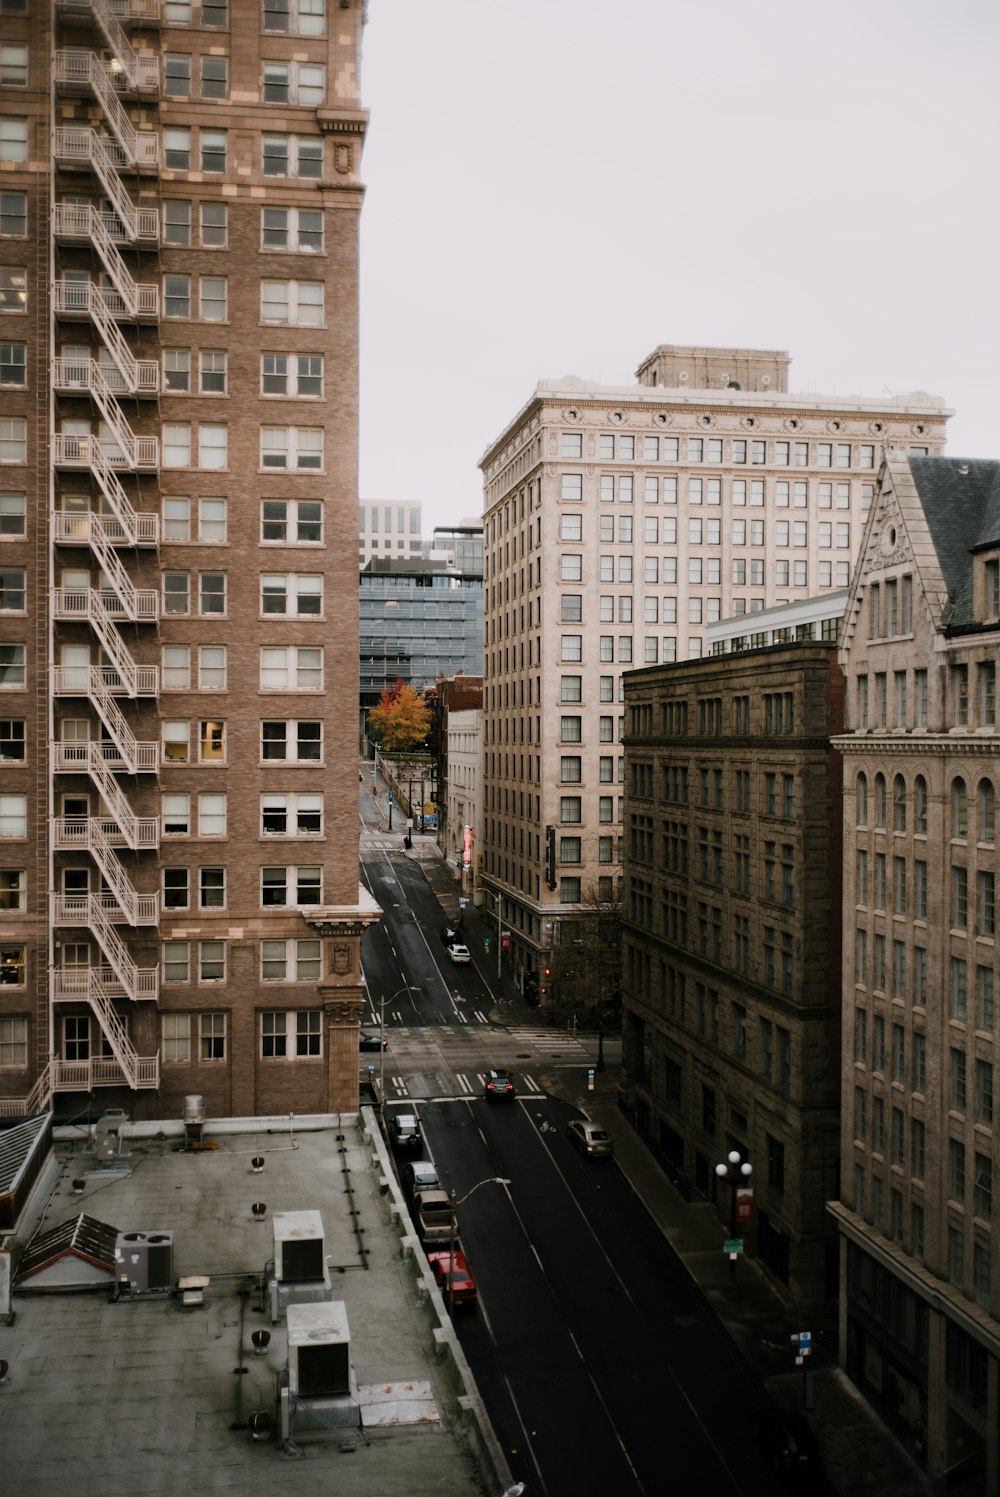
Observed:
{"x":402,"y":719}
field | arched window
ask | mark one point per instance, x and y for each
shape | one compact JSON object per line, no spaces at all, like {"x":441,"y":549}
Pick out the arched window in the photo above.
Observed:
{"x":959,"y":808}
{"x":880,"y":800}
{"x":899,"y":804}
{"x":920,"y":804}
{"x":987,"y":811}
{"x":861,"y":799}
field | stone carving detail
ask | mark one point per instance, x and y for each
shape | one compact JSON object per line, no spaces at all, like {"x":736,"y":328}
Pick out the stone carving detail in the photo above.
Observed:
{"x":341,"y":959}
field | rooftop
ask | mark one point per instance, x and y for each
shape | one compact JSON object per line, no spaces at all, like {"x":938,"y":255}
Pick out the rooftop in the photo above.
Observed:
{"x":113,"y":1392}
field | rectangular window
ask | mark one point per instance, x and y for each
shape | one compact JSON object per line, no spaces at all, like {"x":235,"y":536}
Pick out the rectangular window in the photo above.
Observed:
{"x":291,"y":668}
{"x":290,"y":961}
{"x":296,"y":229}
{"x":214,"y":80}
{"x":291,"y":447}
{"x":176,"y":1038}
{"x":292,"y":522}
{"x":212,"y":1036}
{"x":292,"y":303}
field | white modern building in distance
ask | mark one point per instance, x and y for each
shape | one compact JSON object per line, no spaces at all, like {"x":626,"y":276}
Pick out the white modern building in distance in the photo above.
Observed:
{"x":619,"y":524}
{"x":389,"y":528}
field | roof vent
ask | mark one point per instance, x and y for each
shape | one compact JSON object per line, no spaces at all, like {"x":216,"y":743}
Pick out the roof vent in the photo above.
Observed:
{"x":733,"y":384}
{"x":963,"y":469}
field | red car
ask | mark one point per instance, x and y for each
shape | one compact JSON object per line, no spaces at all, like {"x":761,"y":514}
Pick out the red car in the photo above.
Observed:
{"x":454,"y":1280}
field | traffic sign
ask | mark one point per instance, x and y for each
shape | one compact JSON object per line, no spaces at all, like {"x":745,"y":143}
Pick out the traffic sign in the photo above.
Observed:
{"x":805,"y":1343}
{"x":590,"y":1079}
{"x":733,"y":1246}
{"x":487,"y":942}
{"x":462,"y":903}
{"x":391,"y":797}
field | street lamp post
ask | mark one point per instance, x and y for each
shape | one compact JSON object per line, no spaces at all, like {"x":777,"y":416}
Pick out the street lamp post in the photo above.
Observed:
{"x":454,"y":1204}
{"x":734,"y":1171}
{"x":407,"y":989}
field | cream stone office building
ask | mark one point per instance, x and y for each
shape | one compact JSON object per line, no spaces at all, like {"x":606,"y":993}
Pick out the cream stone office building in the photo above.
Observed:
{"x":619,"y":523}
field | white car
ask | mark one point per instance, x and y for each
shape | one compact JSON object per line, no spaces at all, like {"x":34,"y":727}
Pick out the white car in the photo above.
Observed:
{"x":459,"y":953}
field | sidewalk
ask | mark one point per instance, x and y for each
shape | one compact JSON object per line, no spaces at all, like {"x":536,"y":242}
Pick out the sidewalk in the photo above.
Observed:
{"x":859,"y":1454}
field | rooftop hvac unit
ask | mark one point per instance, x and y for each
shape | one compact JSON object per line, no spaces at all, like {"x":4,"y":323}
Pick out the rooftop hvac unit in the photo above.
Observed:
{"x":144,"y":1262}
{"x":319,"y":1350}
{"x":298,"y":1247}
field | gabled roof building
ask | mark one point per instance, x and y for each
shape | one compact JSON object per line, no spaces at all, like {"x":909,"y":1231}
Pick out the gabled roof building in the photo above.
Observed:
{"x":920,"y":1288}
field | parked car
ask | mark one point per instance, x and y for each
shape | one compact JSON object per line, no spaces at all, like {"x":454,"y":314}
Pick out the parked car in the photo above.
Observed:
{"x":370,"y":1039}
{"x":499,"y":1086}
{"x":404,"y":1132}
{"x":454,"y":1277}
{"x":435,"y":1217}
{"x":420,"y":1174}
{"x":787,"y":1440}
{"x":448,"y":935}
{"x":459,"y":953}
{"x":590,"y":1138}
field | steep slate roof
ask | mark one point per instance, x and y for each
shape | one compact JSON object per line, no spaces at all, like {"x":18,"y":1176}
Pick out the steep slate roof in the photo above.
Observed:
{"x":960,"y":498}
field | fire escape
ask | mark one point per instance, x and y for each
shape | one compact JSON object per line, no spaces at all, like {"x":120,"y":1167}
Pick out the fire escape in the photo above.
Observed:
{"x":106,"y":920}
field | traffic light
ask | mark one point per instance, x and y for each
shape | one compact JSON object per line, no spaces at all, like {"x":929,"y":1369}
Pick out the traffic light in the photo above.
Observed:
{"x":546,"y":974}
{"x":550,"y":857}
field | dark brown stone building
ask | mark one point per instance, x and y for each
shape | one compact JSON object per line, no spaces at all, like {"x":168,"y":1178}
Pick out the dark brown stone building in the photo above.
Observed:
{"x":731,"y":952}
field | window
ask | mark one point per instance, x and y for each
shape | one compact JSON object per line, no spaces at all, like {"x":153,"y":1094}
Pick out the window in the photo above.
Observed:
{"x":212,"y":812}
{"x":212,"y":1036}
{"x":175,"y":815}
{"x":12,"y":590}
{"x":13,"y":288}
{"x":571,"y":647}
{"x":177,"y":149}
{"x":298,"y":229}
{"x":290,"y":961}
{"x":292,"y":303}
{"x":292,"y":741}
{"x":571,"y":570}
{"x":13,"y":364}
{"x":291,"y":595}
{"x":13,"y":816}
{"x":13,"y":215}
{"x":291,"y":887}
{"x":570,"y":809}
{"x":296,"y":375}
{"x":13,"y":667}
{"x":296,"y":17}
{"x":177,"y":296}
{"x":291,"y":1035}
{"x":177,"y":371}
{"x":213,"y":372}
{"x":291,"y":668}
{"x":294,"y":83}
{"x":13,"y":139}
{"x":213,"y":298}
{"x":176,"y":1038}
{"x":11,"y":740}
{"x":214,"y":81}
{"x":569,"y":891}
{"x":291,"y":447}
{"x":293,"y":156}
{"x":292,"y":522}
{"x":14,"y":1043}
{"x":176,"y":961}
{"x":13,"y":889}
{"x":986,"y":802}
{"x":291,"y":815}
{"x":177,"y":76}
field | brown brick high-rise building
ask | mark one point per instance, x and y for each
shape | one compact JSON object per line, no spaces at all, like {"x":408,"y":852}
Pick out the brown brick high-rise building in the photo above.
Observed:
{"x":179,"y":208}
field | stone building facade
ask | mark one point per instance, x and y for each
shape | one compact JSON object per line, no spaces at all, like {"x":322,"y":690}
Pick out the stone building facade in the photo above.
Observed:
{"x":918,"y":1213}
{"x":179,"y":207}
{"x":619,"y":525}
{"x":731,"y":936}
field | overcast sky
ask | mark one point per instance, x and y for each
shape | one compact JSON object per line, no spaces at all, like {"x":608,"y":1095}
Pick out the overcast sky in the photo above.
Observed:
{"x":556,"y":186}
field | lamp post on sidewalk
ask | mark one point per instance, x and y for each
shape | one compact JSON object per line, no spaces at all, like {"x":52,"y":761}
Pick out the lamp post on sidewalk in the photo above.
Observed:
{"x":736,"y":1173}
{"x":454,"y":1204}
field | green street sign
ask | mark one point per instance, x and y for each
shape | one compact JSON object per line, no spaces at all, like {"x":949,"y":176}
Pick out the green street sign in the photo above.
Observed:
{"x":487,"y":942}
{"x":733,"y":1246}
